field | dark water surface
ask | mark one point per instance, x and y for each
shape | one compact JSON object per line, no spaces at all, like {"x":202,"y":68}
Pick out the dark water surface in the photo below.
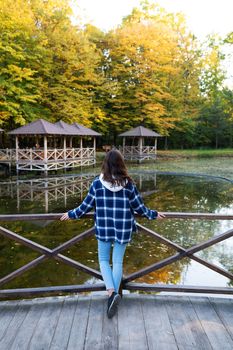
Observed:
{"x":161,"y":192}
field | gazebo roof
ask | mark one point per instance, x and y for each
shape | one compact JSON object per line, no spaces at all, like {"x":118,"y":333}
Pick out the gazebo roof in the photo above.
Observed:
{"x":85,"y":131}
{"x":43,"y":127}
{"x":67,"y":127}
{"x":140,"y":131}
{"x":40,"y":127}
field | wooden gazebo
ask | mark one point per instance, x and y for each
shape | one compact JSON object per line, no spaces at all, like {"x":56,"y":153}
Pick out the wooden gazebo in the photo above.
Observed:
{"x":44,"y":146}
{"x":137,"y":149}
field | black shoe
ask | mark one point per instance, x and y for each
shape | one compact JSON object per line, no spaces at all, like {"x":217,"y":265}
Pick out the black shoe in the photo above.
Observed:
{"x":113,"y":302}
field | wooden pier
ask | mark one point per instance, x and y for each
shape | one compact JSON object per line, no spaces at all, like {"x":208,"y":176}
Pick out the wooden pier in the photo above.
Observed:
{"x":142,"y":322}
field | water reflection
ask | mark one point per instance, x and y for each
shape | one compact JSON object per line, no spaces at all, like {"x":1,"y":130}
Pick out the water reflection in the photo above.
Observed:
{"x":45,"y":191}
{"x":163,"y":192}
{"x":44,"y":194}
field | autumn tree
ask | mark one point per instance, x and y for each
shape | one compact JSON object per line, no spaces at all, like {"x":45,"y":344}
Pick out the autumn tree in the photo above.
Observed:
{"x":215,"y":121}
{"x":49,"y":68}
{"x":152,"y":69}
{"x":21,"y":55}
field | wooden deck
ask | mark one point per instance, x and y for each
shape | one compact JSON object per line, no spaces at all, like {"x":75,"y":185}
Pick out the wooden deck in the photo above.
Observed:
{"x":143,"y":322}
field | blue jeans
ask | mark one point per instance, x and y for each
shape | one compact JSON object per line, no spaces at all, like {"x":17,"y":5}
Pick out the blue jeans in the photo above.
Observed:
{"x":111,"y":276}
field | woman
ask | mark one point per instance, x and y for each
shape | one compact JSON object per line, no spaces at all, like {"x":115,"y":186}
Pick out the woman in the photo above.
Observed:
{"x":115,"y":199}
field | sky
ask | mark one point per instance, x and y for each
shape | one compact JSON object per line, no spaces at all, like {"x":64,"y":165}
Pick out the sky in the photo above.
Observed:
{"x":203,"y":17}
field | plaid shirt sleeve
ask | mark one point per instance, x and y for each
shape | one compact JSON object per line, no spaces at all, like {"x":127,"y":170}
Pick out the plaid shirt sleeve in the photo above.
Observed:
{"x":137,"y":205}
{"x":87,"y":204}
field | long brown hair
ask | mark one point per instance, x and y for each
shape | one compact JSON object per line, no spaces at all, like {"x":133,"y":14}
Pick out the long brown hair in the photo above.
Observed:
{"x":114,"y":169}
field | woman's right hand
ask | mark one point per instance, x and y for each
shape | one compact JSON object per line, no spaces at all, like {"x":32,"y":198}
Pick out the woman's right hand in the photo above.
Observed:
{"x":65,"y":216}
{"x":161,"y":216}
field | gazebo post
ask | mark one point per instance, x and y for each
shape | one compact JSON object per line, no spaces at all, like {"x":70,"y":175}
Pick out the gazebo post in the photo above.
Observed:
{"x":64,"y":150}
{"x":123,"y":146}
{"x":45,"y":155}
{"x":140,"y":149}
{"x":94,"y":146}
{"x":81,"y":150}
{"x":155,"y":147}
{"x":16,"y":153}
{"x":71,"y":138}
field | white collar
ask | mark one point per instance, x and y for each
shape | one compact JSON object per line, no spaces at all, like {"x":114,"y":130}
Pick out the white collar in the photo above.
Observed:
{"x":108,"y":185}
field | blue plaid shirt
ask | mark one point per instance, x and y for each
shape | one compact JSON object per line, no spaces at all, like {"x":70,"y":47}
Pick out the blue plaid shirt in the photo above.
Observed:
{"x":114,"y":211}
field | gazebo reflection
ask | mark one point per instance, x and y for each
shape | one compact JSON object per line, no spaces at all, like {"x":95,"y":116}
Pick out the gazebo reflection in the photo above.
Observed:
{"x":46,"y":192}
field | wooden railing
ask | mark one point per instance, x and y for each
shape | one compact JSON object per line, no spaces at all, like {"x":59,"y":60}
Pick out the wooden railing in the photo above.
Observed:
{"x":138,"y":150}
{"x":54,"y":159}
{"x":127,"y":283}
{"x":35,"y":159}
{"x":7,"y":155}
{"x":54,"y":154}
{"x":135,"y":152}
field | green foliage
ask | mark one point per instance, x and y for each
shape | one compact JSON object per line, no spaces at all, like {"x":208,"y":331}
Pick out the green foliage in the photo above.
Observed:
{"x":150,"y":70}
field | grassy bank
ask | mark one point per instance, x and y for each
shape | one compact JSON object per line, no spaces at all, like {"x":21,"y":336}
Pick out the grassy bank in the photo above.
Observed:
{"x":209,"y":162}
{"x":218,"y":166}
{"x":197,"y":153}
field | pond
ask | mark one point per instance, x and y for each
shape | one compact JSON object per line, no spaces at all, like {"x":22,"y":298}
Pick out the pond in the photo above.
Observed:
{"x":176,"y":193}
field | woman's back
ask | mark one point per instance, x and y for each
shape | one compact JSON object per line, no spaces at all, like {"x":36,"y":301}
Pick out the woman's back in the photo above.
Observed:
{"x":114,"y":209}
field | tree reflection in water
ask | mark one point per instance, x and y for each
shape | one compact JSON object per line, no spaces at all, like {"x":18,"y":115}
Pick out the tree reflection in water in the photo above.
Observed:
{"x":162,"y":192}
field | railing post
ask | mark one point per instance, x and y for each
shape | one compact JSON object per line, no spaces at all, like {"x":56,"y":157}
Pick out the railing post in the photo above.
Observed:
{"x":121,"y":289}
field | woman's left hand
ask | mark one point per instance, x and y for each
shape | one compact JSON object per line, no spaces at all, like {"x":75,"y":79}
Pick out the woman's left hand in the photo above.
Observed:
{"x":65,"y":216}
{"x":160,"y":216}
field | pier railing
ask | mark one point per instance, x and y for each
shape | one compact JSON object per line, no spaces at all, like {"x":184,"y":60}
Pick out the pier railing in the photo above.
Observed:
{"x":54,"y":154}
{"x":7,"y":155}
{"x":53,"y":159}
{"x":56,"y":253}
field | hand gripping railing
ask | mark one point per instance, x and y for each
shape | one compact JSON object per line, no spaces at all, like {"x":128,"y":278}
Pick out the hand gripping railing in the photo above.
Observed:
{"x":126,"y":281}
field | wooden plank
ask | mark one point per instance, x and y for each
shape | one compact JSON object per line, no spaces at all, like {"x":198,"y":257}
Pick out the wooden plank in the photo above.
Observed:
{"x":79,"y":325}
{"x":157,"y":325}
{"x":28,"y":326}
{"x":131,"y":326}
{"x":186,"y":326}
{"x":93,"y":339}
{"x":123,"y":326}
{"x":7,"y":312}
{"x":47,"y":323}
{"x":14,"y":325}
{"x":62,"y":332}
{"x":109,"y":330}
{"x":212,"y":324}
{"x":142,"y":322}
{"x":224,"y":310}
